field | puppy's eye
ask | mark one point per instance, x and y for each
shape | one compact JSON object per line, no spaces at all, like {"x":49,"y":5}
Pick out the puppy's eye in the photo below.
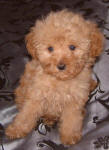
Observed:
{"x":50,"y":49}
{"x":72,"y":47}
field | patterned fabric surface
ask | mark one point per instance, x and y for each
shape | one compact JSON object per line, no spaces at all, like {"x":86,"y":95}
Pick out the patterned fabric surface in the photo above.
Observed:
{"x":16,"y":17}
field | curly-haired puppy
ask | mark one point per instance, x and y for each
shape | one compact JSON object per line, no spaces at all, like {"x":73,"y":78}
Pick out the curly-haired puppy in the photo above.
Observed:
{"x":57,"y":82}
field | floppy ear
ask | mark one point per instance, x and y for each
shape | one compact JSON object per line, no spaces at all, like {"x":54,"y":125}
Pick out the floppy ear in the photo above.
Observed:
{"x":29,"y":39}
{"x":97,"y":41}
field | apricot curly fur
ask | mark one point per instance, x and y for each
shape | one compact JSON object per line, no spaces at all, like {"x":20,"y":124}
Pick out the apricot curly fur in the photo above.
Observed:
{"x":46,"y":90}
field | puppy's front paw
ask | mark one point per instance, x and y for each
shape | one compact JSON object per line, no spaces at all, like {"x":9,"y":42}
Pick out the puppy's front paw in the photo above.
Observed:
{"x":70,"y":139}
{"x":14,"y":132}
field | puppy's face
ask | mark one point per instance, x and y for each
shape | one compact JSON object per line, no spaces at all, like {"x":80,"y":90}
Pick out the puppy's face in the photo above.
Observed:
{"x":62,"y":44}
{"x":63,"y":53}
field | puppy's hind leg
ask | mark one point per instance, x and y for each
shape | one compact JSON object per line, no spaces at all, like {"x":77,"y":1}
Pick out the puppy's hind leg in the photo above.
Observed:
{"x":25,"y":120}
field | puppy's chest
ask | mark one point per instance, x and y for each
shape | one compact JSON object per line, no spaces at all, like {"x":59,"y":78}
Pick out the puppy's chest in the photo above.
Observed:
{"x":60,"y":91}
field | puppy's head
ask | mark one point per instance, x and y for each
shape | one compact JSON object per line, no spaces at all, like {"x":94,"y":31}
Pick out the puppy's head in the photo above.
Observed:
{"x":64,"y":43}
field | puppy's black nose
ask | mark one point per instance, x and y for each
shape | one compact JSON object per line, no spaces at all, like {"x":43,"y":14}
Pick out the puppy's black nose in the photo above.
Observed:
{"x":61,"y":66}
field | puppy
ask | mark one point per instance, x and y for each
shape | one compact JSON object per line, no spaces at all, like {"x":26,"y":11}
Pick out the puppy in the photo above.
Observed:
{"x":57,"y":82}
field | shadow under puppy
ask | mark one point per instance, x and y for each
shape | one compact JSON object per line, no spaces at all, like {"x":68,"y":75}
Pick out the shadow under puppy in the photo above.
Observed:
{"x":57,"y":82}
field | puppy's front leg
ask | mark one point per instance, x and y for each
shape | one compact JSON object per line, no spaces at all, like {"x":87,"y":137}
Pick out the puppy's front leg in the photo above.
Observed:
{"x":71,"y":125}
{"x":25,"y":120}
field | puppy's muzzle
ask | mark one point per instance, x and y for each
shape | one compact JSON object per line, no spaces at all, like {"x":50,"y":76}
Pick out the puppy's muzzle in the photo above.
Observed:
{"x":61,"y":66}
